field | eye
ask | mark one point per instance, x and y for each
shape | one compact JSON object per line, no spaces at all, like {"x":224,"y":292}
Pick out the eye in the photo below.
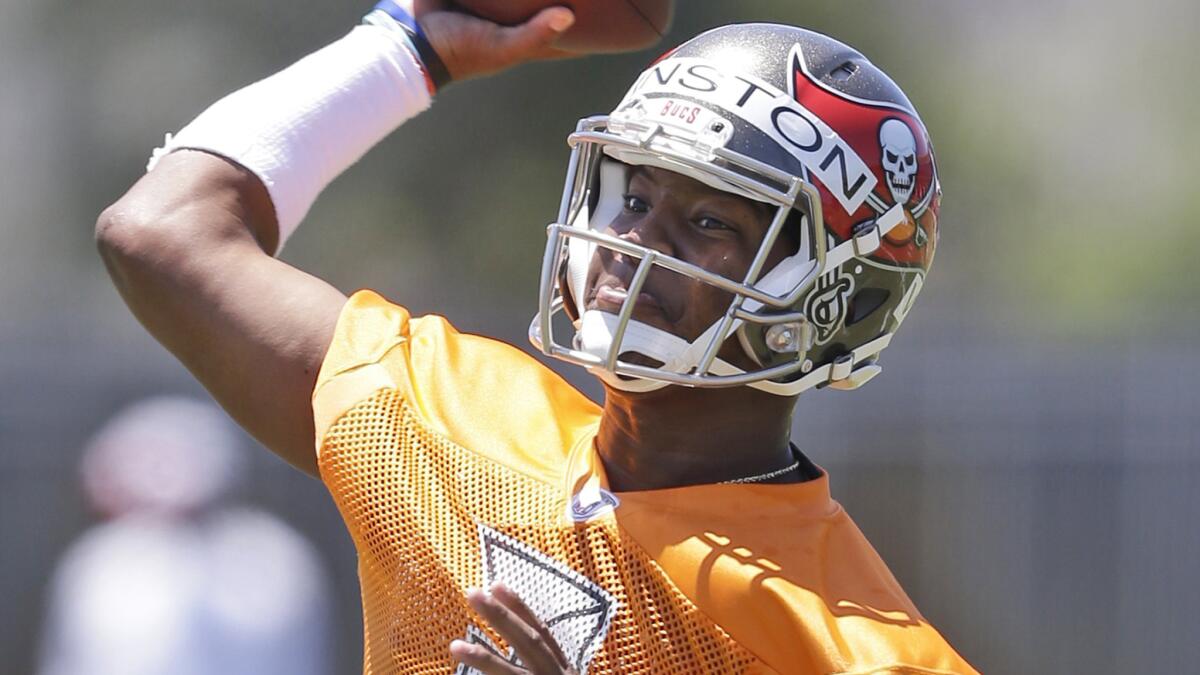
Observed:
{"x":710,"y":223}
{"x":635,"y":204}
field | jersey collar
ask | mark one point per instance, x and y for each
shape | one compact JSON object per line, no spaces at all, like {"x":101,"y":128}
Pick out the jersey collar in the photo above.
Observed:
{"x":588,"y":497}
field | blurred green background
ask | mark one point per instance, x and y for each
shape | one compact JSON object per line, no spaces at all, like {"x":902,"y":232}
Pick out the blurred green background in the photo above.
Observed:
{"x":1028,"y":463}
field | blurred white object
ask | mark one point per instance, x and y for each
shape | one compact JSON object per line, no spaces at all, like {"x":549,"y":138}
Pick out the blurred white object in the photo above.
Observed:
{"x":173,"y":584}
{"x":165,"y":454}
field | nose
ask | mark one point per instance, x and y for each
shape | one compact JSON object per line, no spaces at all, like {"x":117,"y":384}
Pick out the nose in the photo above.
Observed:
{"x":651,"y":229}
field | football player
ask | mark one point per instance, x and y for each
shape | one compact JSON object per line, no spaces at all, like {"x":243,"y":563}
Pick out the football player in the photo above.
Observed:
{"x":753,"y":220}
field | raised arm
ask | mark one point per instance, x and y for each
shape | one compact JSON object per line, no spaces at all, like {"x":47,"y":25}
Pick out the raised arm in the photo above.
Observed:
{"x":186,"y":247}
{"x":190,"y":245}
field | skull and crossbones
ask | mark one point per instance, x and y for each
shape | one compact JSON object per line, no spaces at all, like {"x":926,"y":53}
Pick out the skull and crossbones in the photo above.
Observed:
{"x":898,"y":147}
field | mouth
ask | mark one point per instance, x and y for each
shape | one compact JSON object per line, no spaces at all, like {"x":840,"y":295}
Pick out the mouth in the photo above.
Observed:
{"x":610,"y":296}
{"x":609,"y":277}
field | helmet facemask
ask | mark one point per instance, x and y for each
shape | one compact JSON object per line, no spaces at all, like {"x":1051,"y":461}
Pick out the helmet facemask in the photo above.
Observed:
{"x":602,"y":340}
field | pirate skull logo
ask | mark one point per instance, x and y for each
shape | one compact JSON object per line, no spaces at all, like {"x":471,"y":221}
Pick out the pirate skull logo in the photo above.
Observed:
{"x":898,"y":147}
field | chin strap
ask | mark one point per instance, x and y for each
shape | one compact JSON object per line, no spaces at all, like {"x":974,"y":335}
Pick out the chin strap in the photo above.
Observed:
{"x":846,"y":373}
{"x":596,"y":334}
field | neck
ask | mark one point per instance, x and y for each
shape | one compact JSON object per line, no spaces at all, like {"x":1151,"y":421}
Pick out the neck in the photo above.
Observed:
{"x":679,"y":436}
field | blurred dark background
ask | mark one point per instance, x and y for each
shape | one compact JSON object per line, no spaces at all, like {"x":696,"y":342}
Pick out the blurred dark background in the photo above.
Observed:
{"x":1027,"y":464}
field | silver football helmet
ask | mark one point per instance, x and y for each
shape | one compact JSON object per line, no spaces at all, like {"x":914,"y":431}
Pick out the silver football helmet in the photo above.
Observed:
{"x":779,"y":115}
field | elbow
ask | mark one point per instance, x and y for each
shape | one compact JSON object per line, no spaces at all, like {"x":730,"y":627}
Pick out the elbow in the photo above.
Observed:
{"x":125,"y":236}
{"x":146,"y":231}
{"x":188,"y":204}
{"x":111,"y":230}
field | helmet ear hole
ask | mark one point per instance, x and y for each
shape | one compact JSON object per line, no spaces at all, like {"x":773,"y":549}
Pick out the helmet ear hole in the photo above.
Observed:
{"x":864,"y":303}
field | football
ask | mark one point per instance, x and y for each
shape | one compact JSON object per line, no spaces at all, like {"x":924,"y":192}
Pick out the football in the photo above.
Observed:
{"x":600,"y":25}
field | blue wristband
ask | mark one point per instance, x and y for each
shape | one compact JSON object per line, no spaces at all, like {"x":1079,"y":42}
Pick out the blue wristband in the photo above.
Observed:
{"x":435,"y":68}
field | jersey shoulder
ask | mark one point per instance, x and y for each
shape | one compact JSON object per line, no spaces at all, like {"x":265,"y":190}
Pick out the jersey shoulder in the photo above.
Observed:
{"x":482,"y":394}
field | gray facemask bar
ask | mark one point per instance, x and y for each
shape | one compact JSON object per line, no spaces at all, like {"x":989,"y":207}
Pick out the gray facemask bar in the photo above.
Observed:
{"x":761,"y":181}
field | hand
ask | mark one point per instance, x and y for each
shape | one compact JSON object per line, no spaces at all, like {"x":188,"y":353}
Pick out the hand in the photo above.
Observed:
{"x":520,"y":628}
{"x":471,"y":46}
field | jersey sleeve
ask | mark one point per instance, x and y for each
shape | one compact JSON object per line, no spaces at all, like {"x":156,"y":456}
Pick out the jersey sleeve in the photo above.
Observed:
{"x":480,"y":393}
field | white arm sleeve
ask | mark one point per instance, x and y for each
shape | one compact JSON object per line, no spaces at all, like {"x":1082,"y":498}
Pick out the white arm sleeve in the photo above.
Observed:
{"x":300,"y":128}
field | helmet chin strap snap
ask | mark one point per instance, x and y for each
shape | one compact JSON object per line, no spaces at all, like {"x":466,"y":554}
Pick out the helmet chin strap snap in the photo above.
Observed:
{"x":856,"y":378}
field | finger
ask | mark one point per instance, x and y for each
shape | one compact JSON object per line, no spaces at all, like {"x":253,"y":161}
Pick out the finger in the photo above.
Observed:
{"x":514,"y":603}
{"x":524,"y":638}
{"x":535,"y":37}
{"x":482,"y":659}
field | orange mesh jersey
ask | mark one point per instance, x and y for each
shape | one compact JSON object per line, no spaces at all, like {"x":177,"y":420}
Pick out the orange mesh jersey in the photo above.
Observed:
{"x":458,"y":460}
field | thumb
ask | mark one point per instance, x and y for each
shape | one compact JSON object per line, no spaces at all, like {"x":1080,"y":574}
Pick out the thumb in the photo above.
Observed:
{"x":533,"y":38}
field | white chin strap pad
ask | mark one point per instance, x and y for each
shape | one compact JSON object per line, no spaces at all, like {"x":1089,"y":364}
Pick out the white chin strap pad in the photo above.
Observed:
{"x":595,"y":336}
{"x":596,"y":333}
{"x":597,"y":329}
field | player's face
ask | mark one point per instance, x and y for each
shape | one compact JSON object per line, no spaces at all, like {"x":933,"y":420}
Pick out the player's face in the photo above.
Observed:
{"x":686,"y":219}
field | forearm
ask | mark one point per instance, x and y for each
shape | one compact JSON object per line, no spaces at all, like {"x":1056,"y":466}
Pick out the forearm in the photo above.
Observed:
{"x":190,"y":246}
{"x":283,"y":139}
{"x":287,"y":137}
{"x":247,"y":170}
{"x":298,"y":129}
